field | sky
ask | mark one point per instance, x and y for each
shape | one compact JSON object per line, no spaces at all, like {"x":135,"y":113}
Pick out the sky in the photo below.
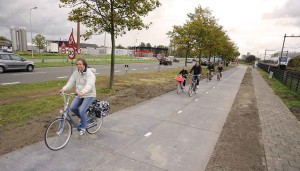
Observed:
{"x":253,"y":25}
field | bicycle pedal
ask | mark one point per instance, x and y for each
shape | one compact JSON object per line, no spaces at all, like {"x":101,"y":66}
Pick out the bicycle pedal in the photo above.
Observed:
{"x":91,"y":125}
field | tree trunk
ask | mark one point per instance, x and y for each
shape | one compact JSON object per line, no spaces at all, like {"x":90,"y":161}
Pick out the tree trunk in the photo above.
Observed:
{"x":112,"y":33}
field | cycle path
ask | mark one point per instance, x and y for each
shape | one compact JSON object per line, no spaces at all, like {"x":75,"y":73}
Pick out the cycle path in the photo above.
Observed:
{"x":170,"y":132}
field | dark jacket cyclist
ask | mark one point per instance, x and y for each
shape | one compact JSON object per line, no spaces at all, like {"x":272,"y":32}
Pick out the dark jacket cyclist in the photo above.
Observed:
{"x":197,"y":72}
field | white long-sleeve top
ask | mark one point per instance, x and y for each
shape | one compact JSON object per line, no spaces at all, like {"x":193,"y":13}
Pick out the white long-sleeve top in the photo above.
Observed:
{"x":84,"y":82}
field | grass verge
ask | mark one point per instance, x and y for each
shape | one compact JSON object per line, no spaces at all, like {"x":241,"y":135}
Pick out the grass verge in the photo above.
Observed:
{"x":290,"y":98}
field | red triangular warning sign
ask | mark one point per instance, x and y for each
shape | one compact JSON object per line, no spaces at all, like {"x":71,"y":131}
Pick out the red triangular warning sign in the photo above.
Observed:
{"x":71,"y":40}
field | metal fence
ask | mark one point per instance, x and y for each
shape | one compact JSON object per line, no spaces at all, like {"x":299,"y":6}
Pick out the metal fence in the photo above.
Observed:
{"x":288,"y":78}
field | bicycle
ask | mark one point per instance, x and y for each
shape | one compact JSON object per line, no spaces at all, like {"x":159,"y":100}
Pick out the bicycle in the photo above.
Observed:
{"x":209,"y":75}
{"x":219,"y":76}
{"x":180,"y":81}
{"x":59,"y":131}
{"x":193,"y":86}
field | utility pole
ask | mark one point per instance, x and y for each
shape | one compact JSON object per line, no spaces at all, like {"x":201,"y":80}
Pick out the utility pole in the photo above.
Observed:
{"x":284,"y":42}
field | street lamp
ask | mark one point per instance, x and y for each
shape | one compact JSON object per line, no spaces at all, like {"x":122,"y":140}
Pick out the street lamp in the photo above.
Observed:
{"x":31,"y":32}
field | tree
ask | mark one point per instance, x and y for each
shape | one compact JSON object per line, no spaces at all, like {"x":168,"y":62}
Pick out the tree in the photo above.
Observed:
{"x":40,"y":41}
{"x":120,"y":47}
{"x":148,"y":45}
{"x":4,"y":41}
{"x":111,"y":16}
{"x":142,"y":44}
{"x":250,"y":59}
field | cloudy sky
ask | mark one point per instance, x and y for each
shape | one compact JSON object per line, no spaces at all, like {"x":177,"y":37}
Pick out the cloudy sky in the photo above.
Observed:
{"x":254,"y":25}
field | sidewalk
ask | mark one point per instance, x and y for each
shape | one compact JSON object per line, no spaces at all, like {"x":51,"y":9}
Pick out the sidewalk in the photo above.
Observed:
{"x":280,"y":129}
{"x":172,"y":132}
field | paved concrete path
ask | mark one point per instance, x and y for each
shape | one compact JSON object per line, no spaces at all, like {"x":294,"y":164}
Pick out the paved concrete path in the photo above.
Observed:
{"x":182,"y":132}
{"x":280,"y":129}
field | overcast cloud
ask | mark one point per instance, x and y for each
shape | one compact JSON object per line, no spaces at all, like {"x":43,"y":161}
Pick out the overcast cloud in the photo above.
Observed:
{"x":254,"y":25}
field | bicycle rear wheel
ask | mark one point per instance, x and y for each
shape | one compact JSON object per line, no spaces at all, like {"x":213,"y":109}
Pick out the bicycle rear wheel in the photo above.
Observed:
{"x":95,"y":125}
{"x":58,"y":134}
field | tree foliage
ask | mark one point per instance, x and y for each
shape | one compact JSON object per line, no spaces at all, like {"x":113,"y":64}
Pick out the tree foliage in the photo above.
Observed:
{"x":4,"y":41}
{"x":111,"y":16}
{"x":250,"y":59}
{"x":203,"y":37}
{"x":39,"y":41}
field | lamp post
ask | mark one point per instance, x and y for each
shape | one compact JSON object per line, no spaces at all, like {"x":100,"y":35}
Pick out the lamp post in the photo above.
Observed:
{"x":31,"y":32}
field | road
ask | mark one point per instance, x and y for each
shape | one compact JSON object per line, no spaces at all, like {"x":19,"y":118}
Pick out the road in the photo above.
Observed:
{"x":60,"y":73}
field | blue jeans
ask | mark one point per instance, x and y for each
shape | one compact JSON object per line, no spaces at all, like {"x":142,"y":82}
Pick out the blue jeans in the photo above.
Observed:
{"x":197,"y":78}
{"x":79,"y":106}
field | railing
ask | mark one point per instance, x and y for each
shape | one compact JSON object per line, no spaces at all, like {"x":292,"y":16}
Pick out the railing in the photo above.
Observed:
{"x":288,"y":78}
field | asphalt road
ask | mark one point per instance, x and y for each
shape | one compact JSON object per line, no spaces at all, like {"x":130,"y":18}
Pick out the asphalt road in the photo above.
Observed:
{"x":60,"y":73}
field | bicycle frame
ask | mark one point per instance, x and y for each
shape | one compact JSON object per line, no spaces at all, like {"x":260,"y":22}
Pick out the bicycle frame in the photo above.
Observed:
{"x":67,"y":112}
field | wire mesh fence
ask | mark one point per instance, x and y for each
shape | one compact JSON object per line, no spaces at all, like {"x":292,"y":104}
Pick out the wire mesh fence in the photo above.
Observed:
{"x":288,"y":78}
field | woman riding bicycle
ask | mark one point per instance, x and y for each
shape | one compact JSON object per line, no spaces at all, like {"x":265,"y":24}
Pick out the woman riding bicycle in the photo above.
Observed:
{"x":197,"y":72}
{"x":83,"y":78}
{"x":184,"y":73}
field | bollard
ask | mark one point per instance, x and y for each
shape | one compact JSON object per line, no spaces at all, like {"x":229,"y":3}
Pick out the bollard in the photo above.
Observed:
{"x":126,"y":68}
{"x":271,"y":74}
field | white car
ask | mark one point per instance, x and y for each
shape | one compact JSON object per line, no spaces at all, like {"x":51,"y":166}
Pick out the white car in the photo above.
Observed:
{"x":190,"y":60}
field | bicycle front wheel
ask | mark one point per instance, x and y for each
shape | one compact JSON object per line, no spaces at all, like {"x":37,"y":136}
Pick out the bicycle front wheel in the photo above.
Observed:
{"x":178,"y":88}
{"x":191,"y":90}
{"x":207,"y":77}
{"x":95,"y":125}
{"x":58,"y":134}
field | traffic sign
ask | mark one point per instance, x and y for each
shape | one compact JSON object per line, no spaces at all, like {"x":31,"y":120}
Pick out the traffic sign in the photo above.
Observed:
{"x":71,"y":40}
{"x":63,"y":50}
{"x":71,"y":53}
{"x":63,"y":45}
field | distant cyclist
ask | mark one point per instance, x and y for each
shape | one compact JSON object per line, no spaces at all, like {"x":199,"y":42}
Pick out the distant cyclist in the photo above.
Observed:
{"x":197,"y":72}
{"x":211,"y":69}
{"x":184,"y":73}
{"x":220,"y":69}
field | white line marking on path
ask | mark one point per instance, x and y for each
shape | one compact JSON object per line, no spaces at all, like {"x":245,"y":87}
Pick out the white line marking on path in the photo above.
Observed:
{"x":196,"y":100}
{"x":30,"y":73}
{"x":179,"y":111}
{"x":10,"y":83}
{"x":155,"y":67}
{"x":214,"y":87}
{"x":148,"y":134}
{"x":133,"y":69}
{"x":145,"y":68}
{"x":63,"y":77}
{"x":206,"y":92}
{"x":117,"y":71}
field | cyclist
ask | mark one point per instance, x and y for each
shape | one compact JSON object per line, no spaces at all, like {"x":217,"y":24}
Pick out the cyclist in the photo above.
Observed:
{"x":197,"y":72}
{"x":83,"y":78}
{"x":184,"y":73}
{"x":211,"y":69}
{"x":220,"y":69}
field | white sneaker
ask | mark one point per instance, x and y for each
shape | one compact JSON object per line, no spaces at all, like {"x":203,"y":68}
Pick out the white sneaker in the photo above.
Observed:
{"x":82,"y":131}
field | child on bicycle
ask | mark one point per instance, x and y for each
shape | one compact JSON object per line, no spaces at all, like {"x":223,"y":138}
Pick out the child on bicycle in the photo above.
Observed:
{"x":197,"y":72}
{"x":83,"y":78}
{"x":184,"y":73}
